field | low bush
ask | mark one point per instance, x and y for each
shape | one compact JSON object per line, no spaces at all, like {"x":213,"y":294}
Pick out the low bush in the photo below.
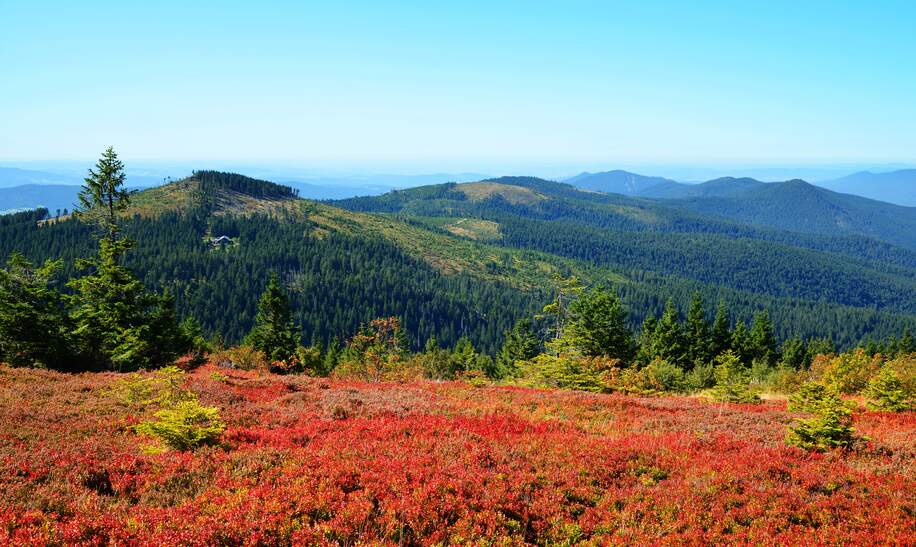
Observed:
{"x":849,"y":372}
{"x":831,"y":425}
{"x":886,"y":392}
{"x":139,"y":391}
{"x":242,"y":358}
{"x":732,"y":381}
{"x":664,"y":376}
{"x":184,"y":425}
{"x":701,"y":377}
{"x":569,"y":371}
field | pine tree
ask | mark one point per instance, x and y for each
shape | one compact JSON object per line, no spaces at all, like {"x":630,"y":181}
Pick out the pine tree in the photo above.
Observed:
{"x":118,"y":324}
{"x":599,"y":326}
{"x":557,"y":311}
{"x":34,"y":327}
{"x":820,"y":346}
{"x":794,"y":354}
{"x":465,"y":356}
{"x":646,"y":352}
{"x":103,"y":192}
{"x":520,"y":344}
{"x":762,"y":341}
{"x":274,"y":332}
{"x":332,"y":356}
{"x":699,"y":341}
{"x":721,"y":336}
{"x":740,"y":343}
{"x":906,"y":345}
{"x":669,"y":336}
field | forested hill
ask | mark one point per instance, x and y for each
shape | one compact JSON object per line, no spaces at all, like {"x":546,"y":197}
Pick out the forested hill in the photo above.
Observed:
{"x":799,"y":206}
{"x":793,"y":205}
{"x":471,"y":259}
{"x":638,"y":237}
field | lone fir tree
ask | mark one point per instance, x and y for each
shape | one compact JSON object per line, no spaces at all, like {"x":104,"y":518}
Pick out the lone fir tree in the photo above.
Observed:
{"x":274,"y":332}
{"x":103,"y":192}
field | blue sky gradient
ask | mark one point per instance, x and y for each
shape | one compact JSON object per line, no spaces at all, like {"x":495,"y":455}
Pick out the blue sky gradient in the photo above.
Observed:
{"x":463,"y":86}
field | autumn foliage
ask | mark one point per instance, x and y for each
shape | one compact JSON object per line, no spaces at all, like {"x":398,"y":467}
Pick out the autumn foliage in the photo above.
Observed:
{"x":317,"y":461}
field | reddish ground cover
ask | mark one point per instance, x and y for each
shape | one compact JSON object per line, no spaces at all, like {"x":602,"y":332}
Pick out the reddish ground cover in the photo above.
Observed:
{"x":313,"y":461}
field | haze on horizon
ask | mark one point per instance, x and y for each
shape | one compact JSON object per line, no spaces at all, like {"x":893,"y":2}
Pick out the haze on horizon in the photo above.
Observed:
{"x":461,"y":87}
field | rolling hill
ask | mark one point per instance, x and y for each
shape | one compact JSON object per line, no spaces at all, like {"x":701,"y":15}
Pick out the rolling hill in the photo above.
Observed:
{"x":798,"y":206}
{"x":626,"y":183}
{"x":470,"y":259}
{"x":897,"y":187}
{"x":640,"y":238}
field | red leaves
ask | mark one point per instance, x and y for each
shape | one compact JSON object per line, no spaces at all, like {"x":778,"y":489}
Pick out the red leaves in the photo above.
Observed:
{"x":428,"y":462}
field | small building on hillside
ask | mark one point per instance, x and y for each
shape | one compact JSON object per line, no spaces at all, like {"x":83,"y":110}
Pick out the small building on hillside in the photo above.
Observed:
{"x":221,"y":241}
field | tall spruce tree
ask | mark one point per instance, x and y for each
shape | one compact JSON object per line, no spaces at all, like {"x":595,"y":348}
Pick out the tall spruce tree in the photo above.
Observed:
{"x":740,"y":343}
{"x":906,"y":345}
{"x":699,"y":342}
{"x":668,"y":339}
{"x":103,"y":194}
{"x":520,"y":344}
{"x":118,"y":324}
{"x":720,"y":335}
{"x":34,"y":327}
{"x":274,"y":332}
{"x":599,"y":326}
{"x":646,"y":351}
{"x":762,"y":340}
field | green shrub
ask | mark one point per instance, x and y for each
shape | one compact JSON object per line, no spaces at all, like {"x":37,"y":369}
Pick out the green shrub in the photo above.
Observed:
{"x":162,"y":387}
{"x":664,"y":376}
{"x":732,"y":381}
{"x":786,"y":379}
{"x":568,"y":371}
{"x":701,"y":377}
{"x":184,"y":425}
{"x":760,"y":372}
{"x":831,"y":425}
{"x":808,"y":397}
{"x":886,"y":392}
{"x":242,"y":358}
{"x":849,"y":372}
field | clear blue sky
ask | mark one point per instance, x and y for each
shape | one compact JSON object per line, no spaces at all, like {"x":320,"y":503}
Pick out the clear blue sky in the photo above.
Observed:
{"x":468,"y":83}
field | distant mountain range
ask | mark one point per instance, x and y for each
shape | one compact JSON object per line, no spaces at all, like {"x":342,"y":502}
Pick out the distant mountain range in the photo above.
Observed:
{"x":12,"y":176}
{"x":31,"y":196}
{"x":626,"y":183}
{"x":793,"y":205}
{"x":28,"y":189}
{"x":895,"y":187}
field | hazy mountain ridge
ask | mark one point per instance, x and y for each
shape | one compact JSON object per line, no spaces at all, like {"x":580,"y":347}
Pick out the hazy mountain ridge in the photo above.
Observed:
{"x":796,"y":205}
{"x":897,"y":187}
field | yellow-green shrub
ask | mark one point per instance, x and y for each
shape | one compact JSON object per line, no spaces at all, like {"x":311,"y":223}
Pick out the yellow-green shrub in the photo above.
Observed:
{"x":849,"y":372}
{"x":831,"y":425}
{"x":886,"y":392}
{"x":184,"y":425}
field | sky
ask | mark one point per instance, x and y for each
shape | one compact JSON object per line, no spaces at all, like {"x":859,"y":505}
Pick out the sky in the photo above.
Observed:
{"x":472,"y":86}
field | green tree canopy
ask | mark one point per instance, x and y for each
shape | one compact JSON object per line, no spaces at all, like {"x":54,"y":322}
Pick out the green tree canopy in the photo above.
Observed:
{"x":598,"y":326}
{"x":697,"y":333}
{"x":103,"y":192}
{"x":668,"y":339}
{"x":520,"y":344}
{"x":274,"y":332}
{"x":34,"y":327}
